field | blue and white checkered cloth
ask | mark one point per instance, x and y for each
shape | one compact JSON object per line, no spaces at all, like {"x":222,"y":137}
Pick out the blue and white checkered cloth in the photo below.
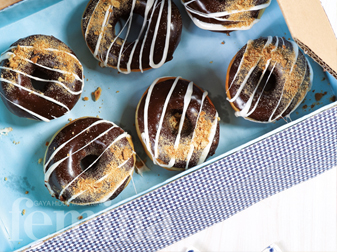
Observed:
{"x":211,"y":194}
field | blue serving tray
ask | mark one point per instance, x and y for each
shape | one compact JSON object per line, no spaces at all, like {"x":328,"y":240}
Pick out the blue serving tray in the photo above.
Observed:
{"x":202,"y":57}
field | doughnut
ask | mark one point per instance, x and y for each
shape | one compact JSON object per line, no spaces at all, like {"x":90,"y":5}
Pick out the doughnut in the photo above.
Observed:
{"x":40,"y":78}
{"x":154,"y":43}
{"x":225,"y":16}
{"x":88,"y":161}
{"x":268,"y":79}
{"x":177,"y":123}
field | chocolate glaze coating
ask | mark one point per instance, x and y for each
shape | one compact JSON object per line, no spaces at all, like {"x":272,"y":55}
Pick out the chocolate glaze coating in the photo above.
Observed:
{"x":92,"y":24}
{"x":34,"y":106}
{"x":175,"y":105}
{"x":74,"y":147}
{"x":270,"y":97}
{"x":201,"y":9}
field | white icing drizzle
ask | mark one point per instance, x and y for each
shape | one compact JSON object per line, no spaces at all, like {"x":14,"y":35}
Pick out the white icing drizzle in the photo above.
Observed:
{"x":168,"y":97}
{"x":210,"y":140}
{"x":219,"y":16}
{"x":99,"y":180}
{"x":64,"y":144}
{"x":37,"y":94}
{"x":44,"y":80}
{"x":28,"y":111}
{"x":106,"y":17}
{"x":7,"y":54}
{"x":187,"y":99}
{"x":247,"y":111}
{"x":121,"y":136}
{"x":128,"y":24}
{"x":190,"y":153}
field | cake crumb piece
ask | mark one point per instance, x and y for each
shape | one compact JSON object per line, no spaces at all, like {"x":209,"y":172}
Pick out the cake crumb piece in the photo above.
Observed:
{"x":26,"y":192}
{"x":39,"y":161}
{"x":85,"y":99}
{"x":5,"y":178}
{"x":97,"y":94}
{"x":23,"y":212}
{"x":117,"y":92}
{"x":80,"y":217}
{"x":47,"y":143}
{"x":70,"y":119}
{"x":211,"y":62}
{"x":16,"y":143}
{"x":223,"y":42}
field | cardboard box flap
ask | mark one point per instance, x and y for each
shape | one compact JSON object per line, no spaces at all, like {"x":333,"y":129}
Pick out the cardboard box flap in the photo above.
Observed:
{"x":312,"y":31}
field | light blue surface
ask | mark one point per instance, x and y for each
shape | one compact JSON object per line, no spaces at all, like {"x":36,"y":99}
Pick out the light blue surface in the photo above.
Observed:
{"x":19,"y":162}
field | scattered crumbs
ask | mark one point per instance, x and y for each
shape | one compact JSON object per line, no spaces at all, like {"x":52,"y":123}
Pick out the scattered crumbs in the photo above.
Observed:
{"x":16,"y":143}
{"x":100,"y":107}
{"x":289,"y":38}
{"x":211,"y":62}
{"x":117,"y":92}
{"x":83,"y":76}
{"x":158,"y":175}
{"x":72,"y":133}
{"x":96,"y":94}
{"x":318,"y":96}
{"x":313,"y":91}
{"x":87,"y":80}
{"x":333,"y":98}
{"x":68,"y":155}
{"x":26,"y":192}
{"x":323,"y":79}
{"x":5,"y":131}
{"x":305,"y":106}
{"x":47,"y":143}
{"x":80,"y":217}
{"x":85,"y":99}
{"x":223,"y":42}
{"x":5,"y":178}
{"x":285,"y":33}
{"x":296,"y":112}
{"x":219,"y":119}
{"x":39,"y":161}
{"x":312,"y":106}
{"x":23,"y":212}
{"x":97,"y":116}
{"x":70,"y":119}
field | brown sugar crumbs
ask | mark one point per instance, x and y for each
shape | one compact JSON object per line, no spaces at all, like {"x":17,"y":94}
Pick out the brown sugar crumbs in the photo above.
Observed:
{"x":97,"y":94}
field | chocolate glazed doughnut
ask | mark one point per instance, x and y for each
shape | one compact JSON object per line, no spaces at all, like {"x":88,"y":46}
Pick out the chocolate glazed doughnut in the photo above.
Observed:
{"x":177,"y":123}
{"x":47,"y":60}
{"x":267,"y":79}
{"x":89,"y":161}
{"x":155,"y":44}
{"x":225,"y":16}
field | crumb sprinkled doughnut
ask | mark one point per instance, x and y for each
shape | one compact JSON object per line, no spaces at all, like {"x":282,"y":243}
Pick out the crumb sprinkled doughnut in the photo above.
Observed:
{"x":177,"y":123}
{"x":156,"y":41}
{"x":89,"y":161}
{"x":267,"y":79}
{"x":225,"y":16}
{"x":47,"y":60}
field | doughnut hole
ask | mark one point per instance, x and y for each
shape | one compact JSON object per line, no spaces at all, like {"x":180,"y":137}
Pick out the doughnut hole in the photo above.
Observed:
{"x":271,"y":84}
{"x":88,"y":161}
{"x":41,"y":86}
{"x":174,"y":121}
{"x":136,"y":26}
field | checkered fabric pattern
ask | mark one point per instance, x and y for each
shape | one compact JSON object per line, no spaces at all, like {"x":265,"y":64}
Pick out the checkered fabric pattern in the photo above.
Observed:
{"x":211,"y":194}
